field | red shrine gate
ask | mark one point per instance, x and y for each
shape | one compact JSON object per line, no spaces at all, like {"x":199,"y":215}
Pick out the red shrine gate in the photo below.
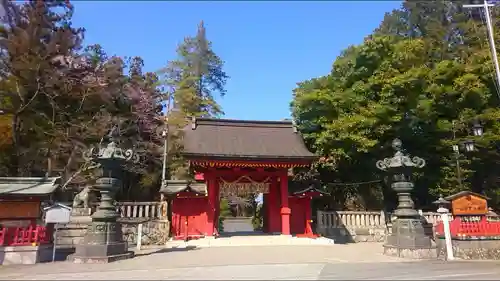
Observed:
{"x":240,"y":157}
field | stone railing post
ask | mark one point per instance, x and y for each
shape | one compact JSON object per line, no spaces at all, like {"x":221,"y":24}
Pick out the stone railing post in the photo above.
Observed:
{"x":320,"y":228}
{"x":382,"y":218}
{"x":164,"y":210}
{"x":444,"y":212}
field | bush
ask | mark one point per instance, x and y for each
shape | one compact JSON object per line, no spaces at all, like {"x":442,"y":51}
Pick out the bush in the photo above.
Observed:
{"x":257,"y":220}
{"x":224,"y":212}
{"x":221,"y":224}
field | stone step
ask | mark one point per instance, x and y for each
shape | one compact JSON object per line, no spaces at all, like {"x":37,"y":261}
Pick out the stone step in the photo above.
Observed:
{"x":75,"y":224}
{"x":71,"y":233}
{"x":68,"y":241}
{"x":81,"y":219}
{"x":250,"y":241}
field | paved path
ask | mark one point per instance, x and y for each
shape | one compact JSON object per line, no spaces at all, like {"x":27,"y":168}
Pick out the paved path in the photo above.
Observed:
{"x":238,"y":225}
{"x":352,"y":261}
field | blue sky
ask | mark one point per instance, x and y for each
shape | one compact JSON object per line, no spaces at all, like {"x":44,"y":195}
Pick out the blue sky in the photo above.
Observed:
{"x":267,"y":46}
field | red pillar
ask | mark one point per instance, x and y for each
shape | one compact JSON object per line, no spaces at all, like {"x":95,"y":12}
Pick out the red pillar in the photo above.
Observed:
{"x":217,"y":206}
{"x":265,"y":209}
{"x":308,"y":230}
{"x":212,"y":200}
{"x":285,"y":210}
{"x":273,"y":207}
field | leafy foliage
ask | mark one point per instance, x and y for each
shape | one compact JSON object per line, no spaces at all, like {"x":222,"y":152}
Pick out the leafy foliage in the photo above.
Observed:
{"x":224,"y":211}
{"x":58,"y":97}
{"x":191,"y":83}
{"x":424,"y":76}
{"x":258,"y":218}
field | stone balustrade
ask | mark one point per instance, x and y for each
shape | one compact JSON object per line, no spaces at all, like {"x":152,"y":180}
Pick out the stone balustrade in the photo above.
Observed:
{"x":137,"y":210}
{"x":343,"y":226}
{"x":141,"y":210}
{"x":152,"y":216}
{"x":360,"y":226}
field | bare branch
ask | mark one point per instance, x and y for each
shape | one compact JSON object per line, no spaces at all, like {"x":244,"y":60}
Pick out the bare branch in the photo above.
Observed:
{"x":20,"y":110}
{"x":84,"y":168}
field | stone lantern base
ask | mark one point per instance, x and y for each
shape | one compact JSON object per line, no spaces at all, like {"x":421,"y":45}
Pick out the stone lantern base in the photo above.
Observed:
{"x":102,"y":243}
{"x":411,"y":238}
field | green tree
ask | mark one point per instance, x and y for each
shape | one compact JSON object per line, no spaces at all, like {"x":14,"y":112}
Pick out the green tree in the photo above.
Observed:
{"x":143,"y":123}
{"x":425,"y":68}
{"x":36,"y":76}
{"x":191,"y":82}
{"x":61,"y":98}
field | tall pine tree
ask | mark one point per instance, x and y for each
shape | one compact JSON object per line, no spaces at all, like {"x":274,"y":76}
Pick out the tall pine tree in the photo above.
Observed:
{"x":192,"y":81}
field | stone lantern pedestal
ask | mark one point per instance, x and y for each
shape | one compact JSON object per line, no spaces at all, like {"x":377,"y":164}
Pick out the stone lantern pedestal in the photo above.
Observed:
{"x":411,"y":236}
{"x":103,"y":241}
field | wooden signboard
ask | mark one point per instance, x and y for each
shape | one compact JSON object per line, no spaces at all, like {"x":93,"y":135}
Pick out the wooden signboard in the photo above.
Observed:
{"x":57,"y":213}
{"x":19,"y":209}
{"x":469,"y":204}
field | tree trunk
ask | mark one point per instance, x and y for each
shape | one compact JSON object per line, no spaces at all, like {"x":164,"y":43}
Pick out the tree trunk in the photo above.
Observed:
{"x":15,"y":155}
{"x":49,"y":163}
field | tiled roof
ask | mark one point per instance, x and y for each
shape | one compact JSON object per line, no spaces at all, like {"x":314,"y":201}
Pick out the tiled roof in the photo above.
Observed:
{"x":176,"y":186}
{"x":241,"y":139}
{"x":28,"y":186}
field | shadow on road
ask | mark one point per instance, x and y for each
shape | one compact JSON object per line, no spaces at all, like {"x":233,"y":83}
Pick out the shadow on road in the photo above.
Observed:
{"x":62,"y":254}
{"x":168,"y":250}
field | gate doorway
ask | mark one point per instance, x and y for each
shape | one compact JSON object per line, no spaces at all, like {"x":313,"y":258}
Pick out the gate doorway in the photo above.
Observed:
{"x":239,"y":215}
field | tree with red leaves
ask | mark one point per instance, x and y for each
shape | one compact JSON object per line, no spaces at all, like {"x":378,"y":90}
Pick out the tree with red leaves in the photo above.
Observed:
{"x":61,"y":98}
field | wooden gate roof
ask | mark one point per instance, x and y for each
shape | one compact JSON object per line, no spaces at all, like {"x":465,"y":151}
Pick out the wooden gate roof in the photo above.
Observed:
{"x":243,"y":139}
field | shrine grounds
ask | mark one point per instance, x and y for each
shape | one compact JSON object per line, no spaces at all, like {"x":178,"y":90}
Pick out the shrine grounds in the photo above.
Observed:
{"x":314,"y":262}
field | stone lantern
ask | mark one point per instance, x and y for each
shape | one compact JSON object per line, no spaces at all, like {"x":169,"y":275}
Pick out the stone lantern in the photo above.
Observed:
{"x":442,"y":205}
{"x":409,"y":237}
{"x":103,"y":241}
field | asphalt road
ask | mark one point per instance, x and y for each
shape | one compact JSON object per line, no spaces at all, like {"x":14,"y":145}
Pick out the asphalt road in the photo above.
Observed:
{"x":361,"y":261}
{"x":420,"y":270}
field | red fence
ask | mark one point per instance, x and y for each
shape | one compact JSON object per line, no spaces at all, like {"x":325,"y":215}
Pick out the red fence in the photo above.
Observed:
{"x":25,"y":236}
{"x":461,"y":227}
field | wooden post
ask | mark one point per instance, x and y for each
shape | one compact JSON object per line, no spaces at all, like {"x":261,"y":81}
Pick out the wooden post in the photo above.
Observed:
{"x":273,"y":207}
{"x":285,"y":209}
{"x":217,"y":206}
{"x":265,"y":212}
{"x":308,"y":230}
{"x":212,"y":199}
